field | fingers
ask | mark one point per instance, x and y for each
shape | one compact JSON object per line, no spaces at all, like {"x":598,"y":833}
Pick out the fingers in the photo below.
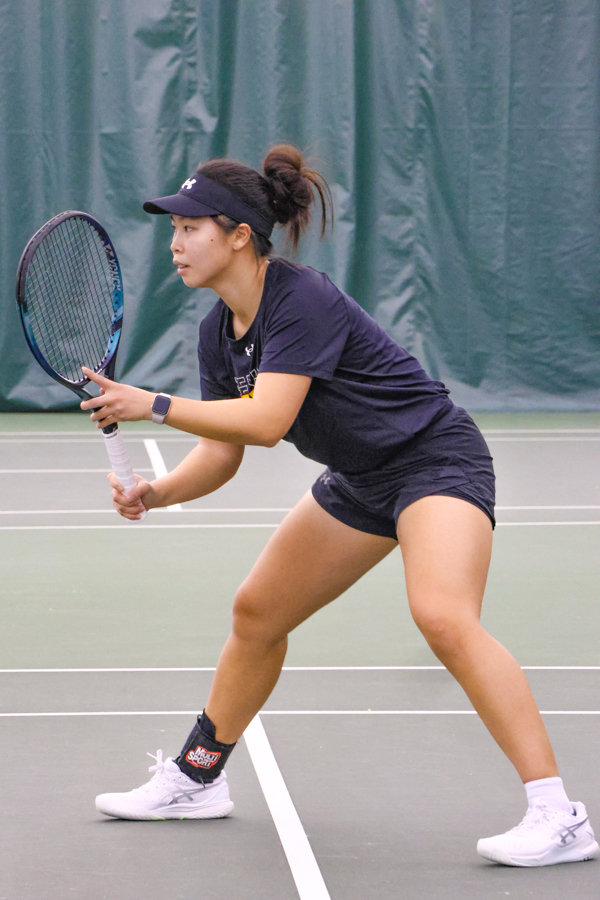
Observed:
{"x":114,"y":482}
{"x":96,"y":403}
{"x":116,"y":402}
{"x":129,"y":505}
{"x":93,"y":376}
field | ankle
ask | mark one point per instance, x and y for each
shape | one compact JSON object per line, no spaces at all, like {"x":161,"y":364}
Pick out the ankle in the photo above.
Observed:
{"x":203,"y":757}
{"x":550,"y":791}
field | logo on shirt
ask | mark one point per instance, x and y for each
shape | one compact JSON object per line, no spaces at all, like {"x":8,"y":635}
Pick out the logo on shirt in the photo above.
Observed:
{"x":202,"y":758}
{"x":245,"y":383}
{"x":187,"y":184}
{"x":249,"y":349}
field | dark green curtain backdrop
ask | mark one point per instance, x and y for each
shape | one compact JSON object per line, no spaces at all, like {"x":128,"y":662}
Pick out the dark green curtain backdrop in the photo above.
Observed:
{"x":460,"y":140}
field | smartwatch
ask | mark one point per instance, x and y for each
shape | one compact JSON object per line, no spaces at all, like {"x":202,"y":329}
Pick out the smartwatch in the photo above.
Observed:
{"x":160,"y":408}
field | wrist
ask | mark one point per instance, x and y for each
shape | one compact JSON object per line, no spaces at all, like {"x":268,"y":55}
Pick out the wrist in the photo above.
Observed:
{"x":148,"y":415}
{"x":160,"y":493}
{"x":149,"y":498}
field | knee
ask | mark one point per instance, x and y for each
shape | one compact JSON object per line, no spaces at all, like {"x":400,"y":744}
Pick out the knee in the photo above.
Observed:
{"x":444,"y":632}
{"x":252,"y":620}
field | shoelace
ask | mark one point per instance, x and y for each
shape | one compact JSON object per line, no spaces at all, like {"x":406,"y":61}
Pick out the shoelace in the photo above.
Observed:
{"x":158,"y":770}
{"x":535,"y":815}
{"x":159,"y":761}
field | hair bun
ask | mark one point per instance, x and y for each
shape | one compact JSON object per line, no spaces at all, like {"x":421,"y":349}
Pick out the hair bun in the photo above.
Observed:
{"x":290,"y":186}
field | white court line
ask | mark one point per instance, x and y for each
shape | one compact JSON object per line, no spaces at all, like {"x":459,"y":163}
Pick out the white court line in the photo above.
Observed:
{"x":591,"y":435}
{"x":185,"y":509}
{"x":59,"y":471}
{"x":288,"y":712}
{"x":301,"y":859}
{"x":160,"y":469}
{"x":513,"y":508}
{"x":128,"y":433}
{"x":134,"y":526}
{"x":286,"y":669}
{"x":412,"y":712}
{"x":223,"y":509}
{"x":540,"y":430}
{"x":137,"y":528}
{"x":75,"y":439}
{"x":589,"y":522}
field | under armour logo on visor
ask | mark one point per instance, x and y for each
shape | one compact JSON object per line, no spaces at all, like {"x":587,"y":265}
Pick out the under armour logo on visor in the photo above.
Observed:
{"x":187,"y":184}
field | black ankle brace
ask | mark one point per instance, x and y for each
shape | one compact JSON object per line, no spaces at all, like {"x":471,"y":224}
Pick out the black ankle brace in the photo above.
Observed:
{"x":203,"y":757}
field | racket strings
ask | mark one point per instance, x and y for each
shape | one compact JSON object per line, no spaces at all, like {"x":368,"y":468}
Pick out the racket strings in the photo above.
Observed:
{"x":81,"y":252}
{"x":69,"y":298}
{"x":92,"y":274}
{"x":62,"y":255}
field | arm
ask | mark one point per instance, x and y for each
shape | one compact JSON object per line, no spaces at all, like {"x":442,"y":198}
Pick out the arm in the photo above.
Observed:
{"x":205,"y":469}
{"x":275,"y":403}
{"x":264,"y":420}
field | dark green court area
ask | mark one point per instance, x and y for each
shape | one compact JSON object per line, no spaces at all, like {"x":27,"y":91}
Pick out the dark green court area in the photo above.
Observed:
{"x":106,"y":656}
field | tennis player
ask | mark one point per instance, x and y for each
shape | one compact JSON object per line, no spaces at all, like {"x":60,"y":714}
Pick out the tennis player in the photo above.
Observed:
{"x":285,"y":354}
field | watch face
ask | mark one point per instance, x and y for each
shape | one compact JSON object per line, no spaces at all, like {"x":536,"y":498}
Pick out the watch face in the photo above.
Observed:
{"x":161,"y":405}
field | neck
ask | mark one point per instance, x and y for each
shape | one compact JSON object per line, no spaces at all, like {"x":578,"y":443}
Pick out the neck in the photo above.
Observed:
{"x":241,"y":289}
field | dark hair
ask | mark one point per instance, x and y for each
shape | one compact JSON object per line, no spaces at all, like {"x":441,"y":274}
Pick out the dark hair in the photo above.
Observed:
{"x":283,"y":194}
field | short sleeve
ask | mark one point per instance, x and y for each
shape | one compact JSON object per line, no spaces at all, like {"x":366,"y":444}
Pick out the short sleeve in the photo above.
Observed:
{"x":214,"y":380}
{"x":306,"y":330}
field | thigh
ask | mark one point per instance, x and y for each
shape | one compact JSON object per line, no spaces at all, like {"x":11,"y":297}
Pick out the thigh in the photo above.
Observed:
{"x":311,"y":559}
{"x":446,"y":547}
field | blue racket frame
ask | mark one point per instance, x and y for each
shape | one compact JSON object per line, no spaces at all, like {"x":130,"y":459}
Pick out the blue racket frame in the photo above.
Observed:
{"x":107,"y":365}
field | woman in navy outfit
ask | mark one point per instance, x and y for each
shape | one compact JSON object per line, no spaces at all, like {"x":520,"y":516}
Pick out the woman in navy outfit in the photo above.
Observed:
{"x":285,"y":354}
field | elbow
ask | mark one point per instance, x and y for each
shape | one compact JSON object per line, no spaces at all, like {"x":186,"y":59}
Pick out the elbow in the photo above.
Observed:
{"x":268,"y":430}
{"x":271,"y":441}
{"x":270,"y":435}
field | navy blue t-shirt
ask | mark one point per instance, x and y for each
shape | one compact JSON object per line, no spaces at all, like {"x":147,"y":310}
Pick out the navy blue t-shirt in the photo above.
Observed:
{"x":368,"y":396}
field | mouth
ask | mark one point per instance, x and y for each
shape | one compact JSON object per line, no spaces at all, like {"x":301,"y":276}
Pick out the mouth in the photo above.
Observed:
{"x":181,"y":267}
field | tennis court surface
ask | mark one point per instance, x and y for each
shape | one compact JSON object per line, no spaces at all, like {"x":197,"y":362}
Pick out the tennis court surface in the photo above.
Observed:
{"x":367,"y":775}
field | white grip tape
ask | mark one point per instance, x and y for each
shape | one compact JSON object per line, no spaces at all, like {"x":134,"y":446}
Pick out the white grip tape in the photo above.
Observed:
{"x":119,"y":460}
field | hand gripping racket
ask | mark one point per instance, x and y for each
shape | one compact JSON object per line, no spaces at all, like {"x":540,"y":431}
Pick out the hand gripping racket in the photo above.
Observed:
{"x":70,"y":298}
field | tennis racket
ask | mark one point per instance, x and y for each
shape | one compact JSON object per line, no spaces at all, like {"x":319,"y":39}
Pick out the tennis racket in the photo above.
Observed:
{"x":70,"y":298}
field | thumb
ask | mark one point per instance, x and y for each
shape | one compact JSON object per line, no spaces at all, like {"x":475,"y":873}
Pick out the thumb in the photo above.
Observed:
{"x":140,"y":488}
{"x":133,"y":493}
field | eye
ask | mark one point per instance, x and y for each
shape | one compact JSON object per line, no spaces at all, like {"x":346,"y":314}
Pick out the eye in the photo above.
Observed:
{"x":188,"y":228}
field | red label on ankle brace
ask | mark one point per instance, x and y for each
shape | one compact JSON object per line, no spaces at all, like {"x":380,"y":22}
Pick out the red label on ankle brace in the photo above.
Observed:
{"x":202,"y":758}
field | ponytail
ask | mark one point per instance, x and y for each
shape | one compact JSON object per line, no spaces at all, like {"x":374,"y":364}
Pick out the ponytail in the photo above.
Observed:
{"x":291,"y":183}
{"x":283,"y":194}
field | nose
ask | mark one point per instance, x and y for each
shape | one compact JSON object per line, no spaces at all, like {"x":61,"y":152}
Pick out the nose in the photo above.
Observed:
{"x":175,"y":241}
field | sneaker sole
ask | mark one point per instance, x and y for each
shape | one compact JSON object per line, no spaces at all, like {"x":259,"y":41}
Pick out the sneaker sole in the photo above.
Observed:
{"x":576,"y":855}
{"x":219,"y":811}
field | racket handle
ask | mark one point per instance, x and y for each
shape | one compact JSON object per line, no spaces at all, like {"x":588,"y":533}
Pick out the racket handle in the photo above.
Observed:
{"x":119,"y":460}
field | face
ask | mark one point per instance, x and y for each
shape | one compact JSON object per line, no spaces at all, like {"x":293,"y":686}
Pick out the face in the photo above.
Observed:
{"x":201,"y":250}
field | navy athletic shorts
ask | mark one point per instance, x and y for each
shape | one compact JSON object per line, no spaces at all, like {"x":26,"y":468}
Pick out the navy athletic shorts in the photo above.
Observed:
{"x":449,"y":458}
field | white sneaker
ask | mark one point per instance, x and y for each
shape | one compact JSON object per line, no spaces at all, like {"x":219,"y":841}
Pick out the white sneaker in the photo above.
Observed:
{"x":545,"y":837}
{"x":169,"y":794}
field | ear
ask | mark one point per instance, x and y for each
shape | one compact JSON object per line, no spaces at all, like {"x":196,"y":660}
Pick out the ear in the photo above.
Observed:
{"x":241,"y":236}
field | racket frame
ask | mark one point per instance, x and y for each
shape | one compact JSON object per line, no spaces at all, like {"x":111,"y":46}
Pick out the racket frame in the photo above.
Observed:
{"x":107,"y":365}
{"x":113,"y":439}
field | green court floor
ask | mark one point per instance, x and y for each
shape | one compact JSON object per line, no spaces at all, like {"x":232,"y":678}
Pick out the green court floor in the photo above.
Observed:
{"x":110,"y":630}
